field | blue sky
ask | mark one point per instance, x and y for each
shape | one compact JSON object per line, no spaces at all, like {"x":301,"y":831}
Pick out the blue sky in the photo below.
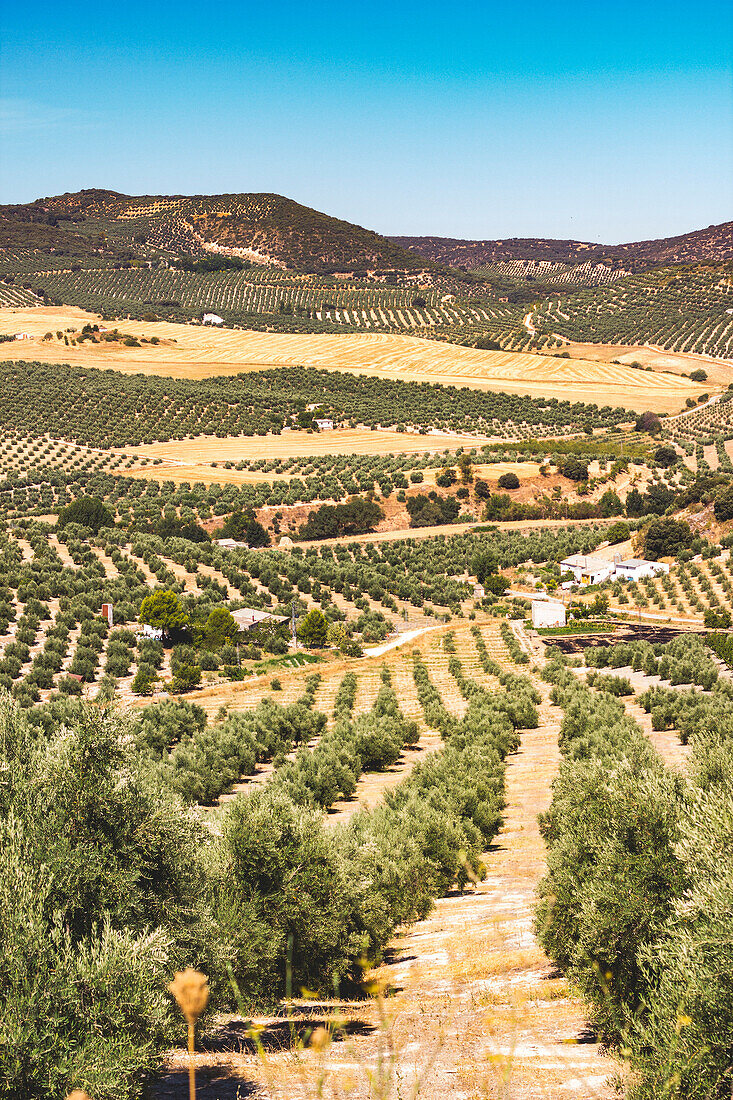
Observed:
{"x":599,"y":121}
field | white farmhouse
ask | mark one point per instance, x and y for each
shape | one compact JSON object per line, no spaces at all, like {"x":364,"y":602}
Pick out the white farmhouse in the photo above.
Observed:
{"x":587,"y":569}
{"x":213,"y":319}
{"x":247,"y":617}
{"x":548,"y":613}
{"x":635,"y":569}
{"x":324,"y":425}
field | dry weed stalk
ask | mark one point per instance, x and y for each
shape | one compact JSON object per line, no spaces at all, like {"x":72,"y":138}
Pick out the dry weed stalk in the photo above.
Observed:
{"x":191,"y":991}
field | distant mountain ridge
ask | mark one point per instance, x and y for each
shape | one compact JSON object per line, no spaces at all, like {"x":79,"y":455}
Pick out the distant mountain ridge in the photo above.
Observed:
{"x":713,"y":244}
{"x":260,"y":228}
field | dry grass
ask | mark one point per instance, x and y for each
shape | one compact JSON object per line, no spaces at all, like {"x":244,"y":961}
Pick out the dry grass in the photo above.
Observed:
{"x":205,"y":449}
{"x":194,"y":468}
{"x":674,"y":362}
{"x":192,"y":351}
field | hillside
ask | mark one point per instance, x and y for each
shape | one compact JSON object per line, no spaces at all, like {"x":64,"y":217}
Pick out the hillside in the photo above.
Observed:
{"x":713,"y":244}
{"x":683,"y":309}
{"x":262,"y":229}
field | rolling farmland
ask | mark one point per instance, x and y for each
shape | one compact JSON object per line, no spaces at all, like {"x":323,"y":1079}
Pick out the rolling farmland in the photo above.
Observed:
{"x":189,"y":351}
{"x":271,"y":699}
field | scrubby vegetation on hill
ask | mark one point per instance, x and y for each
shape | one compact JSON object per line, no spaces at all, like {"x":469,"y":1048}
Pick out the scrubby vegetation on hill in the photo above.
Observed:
{"x":269,"y":227}
{"x":712,"y":244}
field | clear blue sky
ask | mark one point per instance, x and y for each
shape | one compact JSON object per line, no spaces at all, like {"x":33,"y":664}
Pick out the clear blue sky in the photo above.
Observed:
{"x":604,"y":121}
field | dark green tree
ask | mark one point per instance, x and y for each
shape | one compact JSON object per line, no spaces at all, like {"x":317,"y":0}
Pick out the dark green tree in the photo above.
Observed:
{"x":87,"y":512}
{"x":163,"y":611}
{"x":313,"y":629}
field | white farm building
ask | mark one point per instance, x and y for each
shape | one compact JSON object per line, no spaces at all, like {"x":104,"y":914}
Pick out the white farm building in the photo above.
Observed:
{"x":547,"y":613}
{"x":213,"y":319}
{"x":247,"y":617}
{"x":635,"y":569}
{"x":587,"y":569}
{"x":590,"y":569}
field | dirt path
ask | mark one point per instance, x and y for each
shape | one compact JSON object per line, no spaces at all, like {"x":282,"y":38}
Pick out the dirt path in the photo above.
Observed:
{"x":401,"y":639}
{"x":478,"y":997}
{"x":476,"y":1010}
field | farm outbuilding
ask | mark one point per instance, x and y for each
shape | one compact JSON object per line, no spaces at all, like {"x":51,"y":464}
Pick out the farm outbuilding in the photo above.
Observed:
{"x":587,"y":569}
{"x":213,"y":319}
{"x":635,"y":569}
{"x":248,"y":617}
{"x":547,"y":613}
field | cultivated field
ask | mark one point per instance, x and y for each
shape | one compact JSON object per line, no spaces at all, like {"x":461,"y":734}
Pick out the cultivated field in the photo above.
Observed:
{"x":191,"y":351}
{"x":207,"y":449}
{"x":719,"y":371}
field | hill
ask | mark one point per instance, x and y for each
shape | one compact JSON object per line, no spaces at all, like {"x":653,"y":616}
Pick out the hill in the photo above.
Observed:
{"x":713,"y":245}
{"x":257,"y":228}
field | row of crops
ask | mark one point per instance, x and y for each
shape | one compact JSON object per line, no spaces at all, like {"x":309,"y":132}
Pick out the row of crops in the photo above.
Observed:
{"x":17,"y":297}
{"x":554,"y":274}
{"x":21,"y":457}
{"x":711,"y":423}
{"x":267,"y":897}
{"x":244,"y":297}
{"x":635,"y":906}
{"x":690,"y":589}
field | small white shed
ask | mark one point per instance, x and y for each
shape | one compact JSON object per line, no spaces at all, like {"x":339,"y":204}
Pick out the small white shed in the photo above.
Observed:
{"x":213,"y":319}
{"x":547,"y":613}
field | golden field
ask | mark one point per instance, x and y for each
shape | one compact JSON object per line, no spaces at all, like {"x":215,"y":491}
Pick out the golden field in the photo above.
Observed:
{"x":192,"y":351}
{"x":205,"y":449}
{"x":192,"y":459}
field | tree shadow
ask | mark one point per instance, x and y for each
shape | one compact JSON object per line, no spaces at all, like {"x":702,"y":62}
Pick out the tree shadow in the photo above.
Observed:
{"x":212,"y":1083}
{"x":587,"y":1035}
{"x":236,"y":1035}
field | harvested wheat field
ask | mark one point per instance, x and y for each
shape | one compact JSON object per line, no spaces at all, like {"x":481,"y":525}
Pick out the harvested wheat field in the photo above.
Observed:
{"x":659,"y":359}
{"x":205,"y":449}
{"x":192,"y":351}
